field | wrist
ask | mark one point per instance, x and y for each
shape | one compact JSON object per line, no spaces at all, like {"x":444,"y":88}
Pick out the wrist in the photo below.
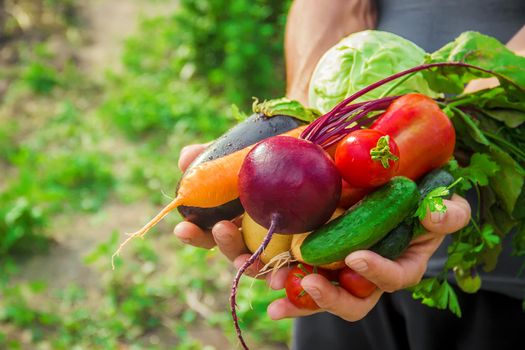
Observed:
{"x":299,"y":93}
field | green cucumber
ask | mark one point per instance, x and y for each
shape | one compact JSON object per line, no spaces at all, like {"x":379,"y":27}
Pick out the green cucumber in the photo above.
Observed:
{"x":434,"y":179}
{"x":396,"y":241}
{"x":362,"y":225}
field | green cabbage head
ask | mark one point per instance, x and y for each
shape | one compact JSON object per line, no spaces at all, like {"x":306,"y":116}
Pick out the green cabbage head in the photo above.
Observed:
{"x":361,"y":59}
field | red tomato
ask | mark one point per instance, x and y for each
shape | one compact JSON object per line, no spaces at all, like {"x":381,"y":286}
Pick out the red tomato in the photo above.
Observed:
{"x":295,"y":292}
{"x":367,"y":158}
{"x":351,"y":195}
{"x":424,"y":134}
{"x":355,"y":284}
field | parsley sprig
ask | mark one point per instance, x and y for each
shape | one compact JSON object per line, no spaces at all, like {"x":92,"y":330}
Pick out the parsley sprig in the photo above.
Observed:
{"x":433,"y":201}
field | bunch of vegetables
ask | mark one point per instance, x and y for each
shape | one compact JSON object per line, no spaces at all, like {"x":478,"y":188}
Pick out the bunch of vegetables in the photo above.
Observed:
{"x":342,"y":181}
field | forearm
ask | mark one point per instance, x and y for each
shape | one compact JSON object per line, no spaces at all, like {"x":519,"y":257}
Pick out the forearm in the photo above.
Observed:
{"x":313,"y":27}
{"x":517,"y":43}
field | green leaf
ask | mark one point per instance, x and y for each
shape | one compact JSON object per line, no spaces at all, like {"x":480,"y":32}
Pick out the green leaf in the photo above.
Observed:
{"x":495,"y":103}
{"x":435,"y":293}
{"x":489,"y":237}
{"x":433,"y":202}
{"x":453,"y":304}
{"x":512,"y":118}
{"x":285,"y":106}
{"x":507,"y":183}
{"x":457,"y":253}
{"x":479,"y":170}
{"x":492,"y":248}
{"x":482,"y":51}
{"x":472,"y":127}
{"x":441,"y":296}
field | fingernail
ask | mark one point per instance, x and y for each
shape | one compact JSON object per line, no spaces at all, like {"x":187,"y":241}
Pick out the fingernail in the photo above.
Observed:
{"x":273,"y":311}
{"x":436,"y":217}
{"x":358,"y":265}
{"x":314,"y":292}
{"x":185,"y":240}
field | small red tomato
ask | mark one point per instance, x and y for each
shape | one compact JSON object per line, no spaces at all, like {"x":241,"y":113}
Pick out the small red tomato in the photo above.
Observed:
{"x":355,"y":284}
{"x":351,"y":195}
{"x":367,"y":158}
{"x":295,"y":292}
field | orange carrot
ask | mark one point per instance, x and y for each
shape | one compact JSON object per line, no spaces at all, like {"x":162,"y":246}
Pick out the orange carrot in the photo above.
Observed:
{"x":206,"y":185}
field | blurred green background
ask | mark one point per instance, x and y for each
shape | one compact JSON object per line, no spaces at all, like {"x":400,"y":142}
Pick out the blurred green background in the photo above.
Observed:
{"x":96,"y":100}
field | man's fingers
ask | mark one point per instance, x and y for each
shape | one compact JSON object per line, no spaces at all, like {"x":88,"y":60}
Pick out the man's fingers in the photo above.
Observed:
{"x":455,"y":218}
{"x":189,"y":153}
{"x":253,"y":269}
{"x":277,"y":278}
{"x":229,"y":239}
{"x":336,"y":300}
{"x":391,"y":275}
{"x":283,"y":308}
{"x":193,"y":235}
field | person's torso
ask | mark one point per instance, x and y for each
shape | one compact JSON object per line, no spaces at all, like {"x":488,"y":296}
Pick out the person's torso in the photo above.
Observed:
{"x":433,"y":23}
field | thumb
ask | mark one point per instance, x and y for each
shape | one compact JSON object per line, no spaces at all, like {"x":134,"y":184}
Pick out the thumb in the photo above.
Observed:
{"x":455,"y":218}
{"x":188,"y":154}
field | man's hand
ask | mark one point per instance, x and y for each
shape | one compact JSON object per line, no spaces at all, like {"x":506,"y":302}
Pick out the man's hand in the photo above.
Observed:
{"x":389,"y":276}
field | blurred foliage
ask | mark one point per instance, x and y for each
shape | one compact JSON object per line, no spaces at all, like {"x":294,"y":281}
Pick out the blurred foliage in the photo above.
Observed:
{"x":139,"y":300}
{"x":62,"y":159}
{"x":236,"y":45}
{"x":40,"y":77}
{"x":191,"y":66}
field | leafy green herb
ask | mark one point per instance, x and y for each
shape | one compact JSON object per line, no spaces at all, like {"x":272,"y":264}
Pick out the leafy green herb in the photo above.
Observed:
{"x":479,"y":170}
{"x":433,"y":202}
{"x":438,"y":293}
{"x":482,"y":51}
{"x":469,"y":245}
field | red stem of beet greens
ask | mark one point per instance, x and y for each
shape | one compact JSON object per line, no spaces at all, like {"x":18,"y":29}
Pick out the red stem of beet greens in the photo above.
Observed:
{"x":244,"y":267}
{"x":331,"y":131}
{"x":333,"y":126}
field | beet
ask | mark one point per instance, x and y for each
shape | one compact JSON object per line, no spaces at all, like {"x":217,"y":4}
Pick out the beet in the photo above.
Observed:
{"x":291,"y":178}
{"x":288,"y":185}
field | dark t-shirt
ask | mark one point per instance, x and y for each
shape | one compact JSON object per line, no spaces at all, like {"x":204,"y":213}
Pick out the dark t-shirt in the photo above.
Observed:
{"x":431,"y":24}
